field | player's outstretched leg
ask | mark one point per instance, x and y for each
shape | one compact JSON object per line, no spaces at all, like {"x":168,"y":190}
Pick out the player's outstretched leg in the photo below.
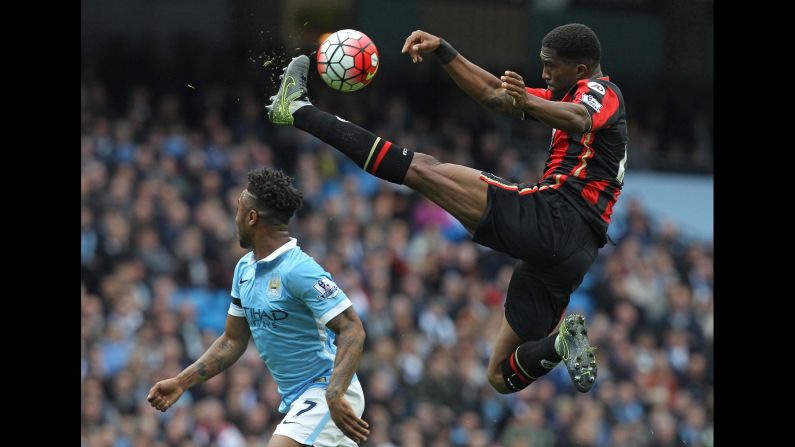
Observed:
{"x":291,"y":105}
{"x":457,"y":189}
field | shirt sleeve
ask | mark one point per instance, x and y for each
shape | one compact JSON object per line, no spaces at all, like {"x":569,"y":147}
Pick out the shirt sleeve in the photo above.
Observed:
{"x":542,"y":93}
{"x":314,"y":286}
{"x":236,"y":307}
{"x":600,"y":100}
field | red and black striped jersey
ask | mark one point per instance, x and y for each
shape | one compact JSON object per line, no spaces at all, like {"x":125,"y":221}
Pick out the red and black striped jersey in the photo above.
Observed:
{"x":588,"y":168}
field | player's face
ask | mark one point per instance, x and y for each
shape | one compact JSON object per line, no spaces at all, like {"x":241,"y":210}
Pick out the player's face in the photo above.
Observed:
{"x":559,"y":74}
{"x":243,"y":234}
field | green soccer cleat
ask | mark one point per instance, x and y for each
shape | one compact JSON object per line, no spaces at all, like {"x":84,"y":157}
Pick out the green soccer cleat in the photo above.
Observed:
{"x":578,"y":355}
{"x":292,"y":93}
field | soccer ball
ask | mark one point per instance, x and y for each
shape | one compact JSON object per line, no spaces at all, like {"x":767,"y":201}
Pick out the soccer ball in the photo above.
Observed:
{"x":347,"y":60}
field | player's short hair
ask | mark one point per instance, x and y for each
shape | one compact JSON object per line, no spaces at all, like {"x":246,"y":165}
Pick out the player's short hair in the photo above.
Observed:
{"x":575,"y":42}
{"x":276,"y":197}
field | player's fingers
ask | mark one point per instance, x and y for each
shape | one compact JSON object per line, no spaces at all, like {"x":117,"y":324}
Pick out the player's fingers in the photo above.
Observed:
{"x":510,"y":88}
{"x":355,"y":424}
{"x":356,"y":432}
{"x":152,"y":393}
{"x":514,"y":75}
{"x":513,"y":84}
{"x":359,"y":425}
{"x":409,"y":41}
{"x":412,"y":50}
{"x":414,"y":42}
{"x":511,"y":81}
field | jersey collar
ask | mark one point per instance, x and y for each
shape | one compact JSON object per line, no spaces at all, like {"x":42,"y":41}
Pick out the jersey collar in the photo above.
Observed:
{"x":574,"y":87}
{"x":292,"y":243}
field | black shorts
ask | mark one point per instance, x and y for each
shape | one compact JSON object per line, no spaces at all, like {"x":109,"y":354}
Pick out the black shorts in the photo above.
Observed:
{"x":554,"y":243}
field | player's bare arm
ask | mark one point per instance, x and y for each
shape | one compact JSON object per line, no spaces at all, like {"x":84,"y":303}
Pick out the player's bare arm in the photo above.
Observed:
{"x":566,"y":116}
{"x":479,"y":84}
{"x":222,"y":353}
{"x":350,"y":344}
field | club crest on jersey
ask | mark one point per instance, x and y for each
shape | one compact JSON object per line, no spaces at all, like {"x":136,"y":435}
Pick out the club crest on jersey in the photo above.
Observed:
{"x":274,"y":290}
{"x":593,"y":102}
{"x":326,"y":288}
{"x":597,"y":87}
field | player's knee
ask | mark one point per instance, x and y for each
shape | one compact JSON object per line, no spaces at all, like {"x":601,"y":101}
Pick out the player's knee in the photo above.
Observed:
{"x":423,"y":169}
{"x":498,"y":383}
{"x":424,"y":165}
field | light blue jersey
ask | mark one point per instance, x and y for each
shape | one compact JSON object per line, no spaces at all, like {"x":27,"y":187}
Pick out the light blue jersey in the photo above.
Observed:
{"x":287,"y":299}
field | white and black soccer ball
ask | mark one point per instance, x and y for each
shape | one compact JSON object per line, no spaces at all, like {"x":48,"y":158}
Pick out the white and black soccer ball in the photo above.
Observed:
{"x":347,"y":60}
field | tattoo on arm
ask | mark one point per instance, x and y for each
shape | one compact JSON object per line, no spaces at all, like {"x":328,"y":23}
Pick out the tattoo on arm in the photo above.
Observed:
{"x":502,"y":103}
{"x":218,"y":357}
{"x":201,"y":369}
{"x":350,"y":344}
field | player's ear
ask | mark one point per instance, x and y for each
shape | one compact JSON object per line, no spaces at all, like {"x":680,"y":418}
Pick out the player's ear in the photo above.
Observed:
{"x":253,"y":217}
{"x":582,"y":71}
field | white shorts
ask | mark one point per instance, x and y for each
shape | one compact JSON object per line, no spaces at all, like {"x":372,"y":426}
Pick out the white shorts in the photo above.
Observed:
{"x":309,"y":422}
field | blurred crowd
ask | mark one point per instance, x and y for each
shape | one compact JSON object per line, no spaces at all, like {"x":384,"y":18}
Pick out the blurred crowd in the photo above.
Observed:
{"x":158,"y":248}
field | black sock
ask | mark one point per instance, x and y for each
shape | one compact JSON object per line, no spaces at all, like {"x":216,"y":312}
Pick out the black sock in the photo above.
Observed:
{"x":538,"y":357}
{"x":373,"y":154}
{"x":531,"y":360}
{"x":513,"y":377}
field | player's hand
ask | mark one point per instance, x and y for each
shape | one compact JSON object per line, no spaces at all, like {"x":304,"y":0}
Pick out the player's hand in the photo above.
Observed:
{"x":514,"y":86}
{"x":420,"y":42}
{"x":164,"y":394}
{"x":343,"y":415}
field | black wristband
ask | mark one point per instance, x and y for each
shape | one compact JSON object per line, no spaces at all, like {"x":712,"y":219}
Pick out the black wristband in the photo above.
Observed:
{"x":445,"y":52}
